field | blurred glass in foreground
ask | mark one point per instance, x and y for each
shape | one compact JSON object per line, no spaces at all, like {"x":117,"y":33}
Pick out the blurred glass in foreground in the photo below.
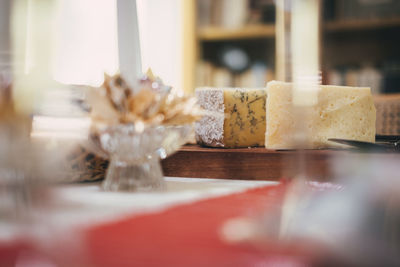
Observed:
{"x":353,"y":221}
{"x":41,"y":120}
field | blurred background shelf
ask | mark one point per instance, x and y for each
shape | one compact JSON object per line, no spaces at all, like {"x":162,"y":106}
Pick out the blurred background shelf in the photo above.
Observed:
{"x":213,"y":33}
{"x":237,"y":44}
{"x":364,"y":24}
{"x":230,"y":43}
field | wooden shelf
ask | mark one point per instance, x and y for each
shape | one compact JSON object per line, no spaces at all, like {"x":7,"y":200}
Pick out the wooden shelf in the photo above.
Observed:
{"x":350,"y":25}
{"x":247,"y":32}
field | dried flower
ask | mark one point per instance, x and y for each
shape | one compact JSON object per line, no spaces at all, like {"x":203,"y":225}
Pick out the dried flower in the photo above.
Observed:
{"x":153,"y":104}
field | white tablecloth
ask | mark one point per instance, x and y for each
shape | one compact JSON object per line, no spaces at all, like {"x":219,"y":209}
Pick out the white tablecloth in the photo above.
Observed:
{"x":86,"y":204}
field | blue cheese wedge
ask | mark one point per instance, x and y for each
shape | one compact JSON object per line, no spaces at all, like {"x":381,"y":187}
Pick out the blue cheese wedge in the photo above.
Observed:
{"x":236,"y":117}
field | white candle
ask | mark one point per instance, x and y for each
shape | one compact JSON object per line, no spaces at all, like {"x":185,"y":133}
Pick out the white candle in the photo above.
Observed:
{"x":5,"y":35}
{"x":128,"y":41}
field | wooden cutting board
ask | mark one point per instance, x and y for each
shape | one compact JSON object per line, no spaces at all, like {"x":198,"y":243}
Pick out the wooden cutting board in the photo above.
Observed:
{"x":248,"y":163}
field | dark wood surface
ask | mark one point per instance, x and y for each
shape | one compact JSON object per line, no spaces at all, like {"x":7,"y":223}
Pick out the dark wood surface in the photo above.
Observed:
{"x":248,"y":163}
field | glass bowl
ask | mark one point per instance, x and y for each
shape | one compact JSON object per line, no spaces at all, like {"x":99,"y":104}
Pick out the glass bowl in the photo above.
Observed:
{"x":134,"y":154}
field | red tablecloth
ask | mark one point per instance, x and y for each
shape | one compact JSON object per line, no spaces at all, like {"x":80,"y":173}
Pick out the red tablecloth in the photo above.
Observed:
{"x":185,"y":235}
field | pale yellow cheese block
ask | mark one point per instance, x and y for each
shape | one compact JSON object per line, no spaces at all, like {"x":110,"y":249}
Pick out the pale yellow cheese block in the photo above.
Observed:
{"x":236,"y":118}
{"x":341,"y":112}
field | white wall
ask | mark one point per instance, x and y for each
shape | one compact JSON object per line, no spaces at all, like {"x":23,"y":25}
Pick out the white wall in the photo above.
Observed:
{"x":87,"y":43}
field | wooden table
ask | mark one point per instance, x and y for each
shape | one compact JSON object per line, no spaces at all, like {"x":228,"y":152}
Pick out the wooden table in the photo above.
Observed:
{"x":248,"y":163}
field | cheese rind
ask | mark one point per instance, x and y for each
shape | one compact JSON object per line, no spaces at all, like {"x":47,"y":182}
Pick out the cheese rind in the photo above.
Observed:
{"x":209,"y":130}
{"x":342,"y":112}
{"x":242,"y":123}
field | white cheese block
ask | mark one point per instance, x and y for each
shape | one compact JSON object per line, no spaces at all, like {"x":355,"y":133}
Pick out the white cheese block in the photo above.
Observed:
{"x":341,"y":112}
{"x":236,"y":117}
